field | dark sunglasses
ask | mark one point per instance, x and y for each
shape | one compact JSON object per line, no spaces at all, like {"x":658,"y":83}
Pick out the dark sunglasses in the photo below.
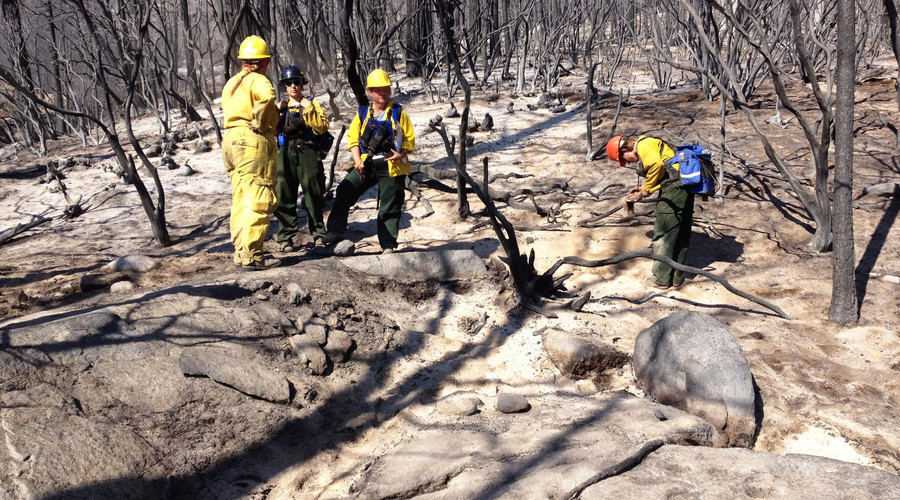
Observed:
{"x":296,"y":81}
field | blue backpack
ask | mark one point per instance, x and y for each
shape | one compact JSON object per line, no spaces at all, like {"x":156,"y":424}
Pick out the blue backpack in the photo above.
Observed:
{"x":696,"y":171}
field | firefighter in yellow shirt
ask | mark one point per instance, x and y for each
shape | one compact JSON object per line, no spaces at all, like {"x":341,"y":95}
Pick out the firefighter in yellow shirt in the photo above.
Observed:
{"x":380,"y":139}
{"x":674,"y":208}
{"x":250,"y":153}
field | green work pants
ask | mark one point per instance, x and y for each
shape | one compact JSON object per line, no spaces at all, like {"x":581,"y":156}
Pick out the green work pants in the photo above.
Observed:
{"x":672,"y":231}
{"x":391,"y":193}
{"x":299,"y":168}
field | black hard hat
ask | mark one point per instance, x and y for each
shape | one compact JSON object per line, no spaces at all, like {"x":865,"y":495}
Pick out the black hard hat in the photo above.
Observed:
{"x":294,"y":73}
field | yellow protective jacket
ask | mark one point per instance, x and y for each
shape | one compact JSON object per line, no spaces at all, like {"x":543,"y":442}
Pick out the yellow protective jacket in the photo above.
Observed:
{"x":404,"y":137}
{"x":653,"y":154}
{"x":248,"y":100}
{"x":313,"y":116}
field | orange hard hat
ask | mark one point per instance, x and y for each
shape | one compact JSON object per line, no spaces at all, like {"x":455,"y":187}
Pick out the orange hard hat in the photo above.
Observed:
{"x":613,"y":147}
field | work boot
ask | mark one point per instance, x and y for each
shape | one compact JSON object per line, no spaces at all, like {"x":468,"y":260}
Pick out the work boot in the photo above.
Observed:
{"x":652,"y":282}
{"x":287,"y":247}
{"x":332,"y":237}
{"x":265,"y":262}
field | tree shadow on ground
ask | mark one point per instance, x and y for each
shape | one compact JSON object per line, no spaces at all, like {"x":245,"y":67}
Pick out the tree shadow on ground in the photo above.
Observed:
{"x":873,"y":250}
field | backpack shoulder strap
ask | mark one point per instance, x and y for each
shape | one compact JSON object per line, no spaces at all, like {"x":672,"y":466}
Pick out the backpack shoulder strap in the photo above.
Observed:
{"x":363,"y":113}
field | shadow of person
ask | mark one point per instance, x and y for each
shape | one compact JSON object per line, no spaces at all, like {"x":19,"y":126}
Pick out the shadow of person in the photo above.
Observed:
{"x":705,"y":251}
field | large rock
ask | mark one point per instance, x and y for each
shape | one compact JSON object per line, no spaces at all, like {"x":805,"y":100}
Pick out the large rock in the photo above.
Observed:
{"x":232,"y":367}
{"x":698,"y":472}
{"x":563,"y":441}
{"x":19,"y":367}
{"x":578,"y":358}
{"x":436,"y":264}
{"x":148,"y":385}
{"x":692,"y":362}
{"x":56,"y":455}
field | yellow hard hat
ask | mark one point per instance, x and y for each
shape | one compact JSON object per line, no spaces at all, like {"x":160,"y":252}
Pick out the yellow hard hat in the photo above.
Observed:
{"x":378,"y":78}
{"x":254,"y":47}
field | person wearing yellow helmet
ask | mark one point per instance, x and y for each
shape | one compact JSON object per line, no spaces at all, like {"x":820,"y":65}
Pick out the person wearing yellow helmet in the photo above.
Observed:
{"x":250,"y":153}
{"x":380,"y":139}
{"x":674,"y":208}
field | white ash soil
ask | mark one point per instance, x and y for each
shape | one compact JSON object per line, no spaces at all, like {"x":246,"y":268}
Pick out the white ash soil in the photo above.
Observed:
{"x":828,"y":390}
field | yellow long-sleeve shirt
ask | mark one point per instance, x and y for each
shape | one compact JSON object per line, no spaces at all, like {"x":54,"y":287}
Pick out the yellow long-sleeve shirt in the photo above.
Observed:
{"x":653,"y":154}
{"x":249,"y":101}
{"x":313,"y":116}
{"x":404,"y":138}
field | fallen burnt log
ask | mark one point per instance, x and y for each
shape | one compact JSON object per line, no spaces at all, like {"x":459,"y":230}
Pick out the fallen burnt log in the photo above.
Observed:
{"x":18,"y":229}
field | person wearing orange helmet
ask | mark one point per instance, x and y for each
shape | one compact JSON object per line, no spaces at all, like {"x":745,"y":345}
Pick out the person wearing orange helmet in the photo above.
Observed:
{"x":250,"y":153}
{"x":674,"y":207}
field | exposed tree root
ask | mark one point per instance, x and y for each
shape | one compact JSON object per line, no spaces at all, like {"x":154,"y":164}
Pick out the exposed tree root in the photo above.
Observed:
{"x":546,"y":282}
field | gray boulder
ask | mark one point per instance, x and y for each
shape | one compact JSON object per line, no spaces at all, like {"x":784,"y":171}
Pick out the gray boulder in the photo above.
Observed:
{"x":692,"y":362}
{"x":511,"y":403}
{"x":578,"y":358}
{"x":698,"y":472}
{"x":439,"y":264}
{"x":232,"y":368}
{"x":51,"y":454}
{"x":884,"y":189}
{"x":131,"y":263}
{"x":561,"y":442}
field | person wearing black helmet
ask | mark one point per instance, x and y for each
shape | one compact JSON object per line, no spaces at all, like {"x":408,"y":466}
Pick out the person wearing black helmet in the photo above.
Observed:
{"x":301,"y":121}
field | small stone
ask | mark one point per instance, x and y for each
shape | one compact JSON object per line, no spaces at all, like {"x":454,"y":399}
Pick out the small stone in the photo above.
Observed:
{"x":452,"y":112}
{"x":462,"y":404}
{"x":134,"y":263}
{"x":202,"y":147}
{"x":317,"y":329}
{"x":254,"y":285}
{"x":304,"y":315}
{"x":511,"y":403}
{"x":488,"y":122}
{"x":339,"y":346}
{"x":153,"y":151}
{"x":309,"y":352}
{"x":296,"y":294}
{"x":122,"y":287}
{"x":345,"y":248}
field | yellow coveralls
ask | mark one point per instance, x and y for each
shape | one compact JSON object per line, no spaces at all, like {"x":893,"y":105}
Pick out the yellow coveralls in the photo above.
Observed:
{"x":250,"y":154}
